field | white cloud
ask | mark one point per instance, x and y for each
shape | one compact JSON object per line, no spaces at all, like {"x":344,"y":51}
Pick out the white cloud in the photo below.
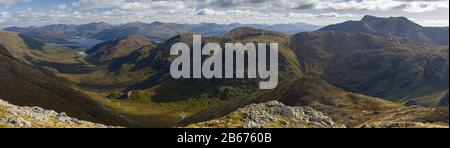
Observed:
{"x":62,"y":6}
{"x":92,"y":4}
{"x":11,"y":2}
{"x":210,"y":12}
{"x":413,"y":6}
{"x":322,"y":12}
{"x":425,"y":6}
{"x":152,"y":5}
{"x":431,"y":22}
{"x":119,"y":16}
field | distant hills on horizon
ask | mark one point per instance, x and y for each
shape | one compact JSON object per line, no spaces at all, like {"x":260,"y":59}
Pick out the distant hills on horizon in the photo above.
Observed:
{"x":156,"y":31}
{"x":400,"y":29}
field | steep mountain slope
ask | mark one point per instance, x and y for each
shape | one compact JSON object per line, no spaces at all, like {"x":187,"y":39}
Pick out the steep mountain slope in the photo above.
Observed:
{"x":30,"y":50}
{"x":169,"y":89}
{"x":373,"y":65}
{"x":23,"y":84}
{"x":343,"y":107}
{"x":398,"y":29}
{"x":147,"y":69}
{"x":357,"y":62}
{"x":19,"y":45}
{"x":439,"y":99}
{"x":60,"y":33}
{"x":156,"y":31}
{"x":114,"y":49}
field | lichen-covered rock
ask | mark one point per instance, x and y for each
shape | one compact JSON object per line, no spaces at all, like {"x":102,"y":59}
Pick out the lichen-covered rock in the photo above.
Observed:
{"x":272,"y":115}
{"x":12,"y":116}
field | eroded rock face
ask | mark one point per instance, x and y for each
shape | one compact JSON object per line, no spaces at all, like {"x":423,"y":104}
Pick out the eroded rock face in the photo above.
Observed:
{"x":272,"y":115}
{"x":12,"y":116}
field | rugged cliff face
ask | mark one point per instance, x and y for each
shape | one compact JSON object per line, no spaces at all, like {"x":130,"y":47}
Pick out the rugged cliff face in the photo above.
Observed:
{"x":12,"y":116}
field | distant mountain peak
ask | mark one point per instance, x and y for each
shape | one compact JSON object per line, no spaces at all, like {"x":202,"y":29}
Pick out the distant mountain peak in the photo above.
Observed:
{"x":157,"y":23}
{"x":399,"y":29}
{"x":373,"y":19}
{"x":370,"y":17}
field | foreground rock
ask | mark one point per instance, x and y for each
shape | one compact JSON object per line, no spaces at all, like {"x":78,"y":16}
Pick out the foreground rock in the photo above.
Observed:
{"x":271,"y":115}
{"x":12,"y":116}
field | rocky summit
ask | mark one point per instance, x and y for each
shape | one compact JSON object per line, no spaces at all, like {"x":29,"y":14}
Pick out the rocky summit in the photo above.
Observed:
{"x":272,"y":114}
{"x":12,"y":116}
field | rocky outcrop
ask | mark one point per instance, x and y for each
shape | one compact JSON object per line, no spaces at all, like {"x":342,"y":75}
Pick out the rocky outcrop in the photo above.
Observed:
{"x":272,"y":115}
{"x":12,"y":116}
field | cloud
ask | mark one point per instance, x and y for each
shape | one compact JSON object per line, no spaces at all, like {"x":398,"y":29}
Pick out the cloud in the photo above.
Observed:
{"x":431,"y":22}
{"x":4,"y":16}
{"x":412,"y":6}
{"x":93,"y":4}
{"x":62,"y":6}
{"x":120,"y":16}
{"x":425,"y":6}
{"x":319,"y":12}
{"x":152,"y":5}
{"x":12,"y":2}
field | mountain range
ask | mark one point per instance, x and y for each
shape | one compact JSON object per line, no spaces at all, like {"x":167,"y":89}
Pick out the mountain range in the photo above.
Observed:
{"x":60,"y":33}
{"x":398,"y":29}
{"x":373,"y":71}
{"x":156,"y":31}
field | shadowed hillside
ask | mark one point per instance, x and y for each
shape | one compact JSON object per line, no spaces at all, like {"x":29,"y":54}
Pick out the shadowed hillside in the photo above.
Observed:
{"x":169,"y":89}
{"x":25,"y":85}
{"x":373,"y":65}
{"x":114,"y":49}
{"x":19,"y":45}
{"x":346,"y":108}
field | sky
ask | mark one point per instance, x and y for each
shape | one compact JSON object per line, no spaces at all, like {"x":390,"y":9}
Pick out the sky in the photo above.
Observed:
{"x":316,"y":12}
